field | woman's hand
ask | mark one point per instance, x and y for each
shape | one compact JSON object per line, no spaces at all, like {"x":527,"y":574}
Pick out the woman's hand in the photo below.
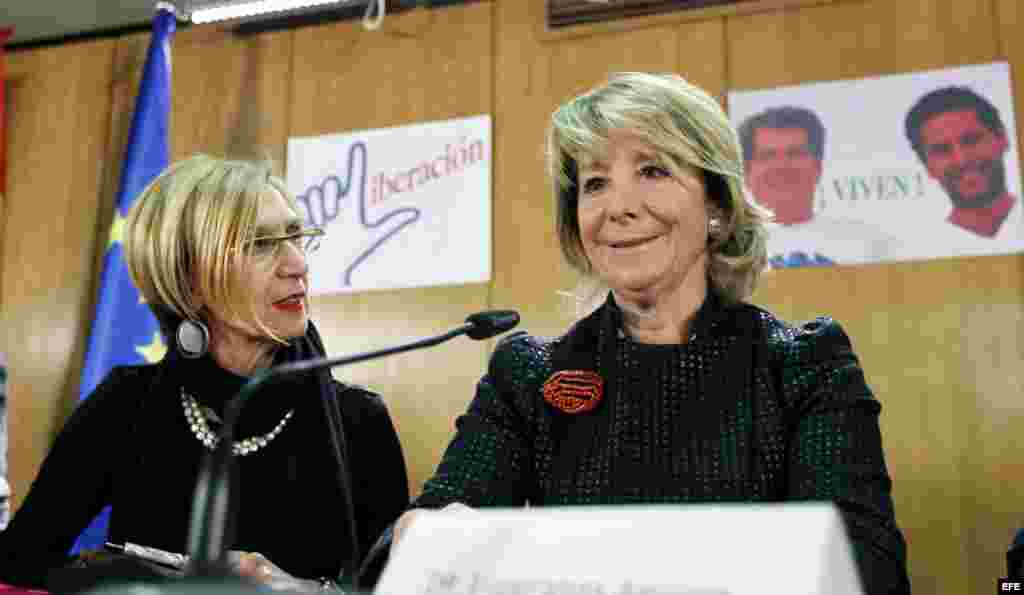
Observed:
{"x":409,"y":517}
{"x":256,"y":568}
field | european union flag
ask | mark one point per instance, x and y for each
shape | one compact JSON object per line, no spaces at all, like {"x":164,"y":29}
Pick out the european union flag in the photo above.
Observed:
{"x":124,"y":331}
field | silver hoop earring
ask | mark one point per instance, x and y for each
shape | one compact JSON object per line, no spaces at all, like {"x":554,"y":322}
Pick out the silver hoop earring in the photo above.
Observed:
{"x":192,"y":338}
{"x":714,"y":226}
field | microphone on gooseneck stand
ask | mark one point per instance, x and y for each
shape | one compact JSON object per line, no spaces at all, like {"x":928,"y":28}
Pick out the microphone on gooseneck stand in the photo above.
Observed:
{"x":210,"y":530}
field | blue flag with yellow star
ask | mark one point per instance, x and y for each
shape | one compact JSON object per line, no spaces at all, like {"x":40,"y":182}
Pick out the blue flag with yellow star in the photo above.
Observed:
{"x":124,"y":331}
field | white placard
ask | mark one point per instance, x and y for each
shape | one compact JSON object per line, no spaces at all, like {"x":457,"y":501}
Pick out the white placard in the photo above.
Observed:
{"x":408,"y":206}
{"x":732,"y":549}
{"x":876,"y":200}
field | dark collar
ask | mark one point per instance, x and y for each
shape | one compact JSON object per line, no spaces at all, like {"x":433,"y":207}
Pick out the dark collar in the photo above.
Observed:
{"x":705,"y":321}
{"x":598,"y":333}
{"x":213,"y":386}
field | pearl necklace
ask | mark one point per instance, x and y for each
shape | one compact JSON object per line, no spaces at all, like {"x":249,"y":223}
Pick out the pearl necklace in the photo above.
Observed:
{"x":201,"y":429}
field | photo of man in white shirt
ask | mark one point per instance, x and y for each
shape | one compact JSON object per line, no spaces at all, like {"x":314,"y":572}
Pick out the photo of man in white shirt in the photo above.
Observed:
{"x":783,"y":150}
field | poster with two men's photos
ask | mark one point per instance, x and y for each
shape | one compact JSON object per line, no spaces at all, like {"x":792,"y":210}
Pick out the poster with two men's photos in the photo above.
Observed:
{"x":894,"y":168}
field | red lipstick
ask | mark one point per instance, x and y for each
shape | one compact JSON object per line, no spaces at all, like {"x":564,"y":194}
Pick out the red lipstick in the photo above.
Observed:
{"x":296,"y":306}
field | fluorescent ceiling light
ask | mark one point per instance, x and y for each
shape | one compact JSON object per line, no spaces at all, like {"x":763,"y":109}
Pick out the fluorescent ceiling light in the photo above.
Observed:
{"x":252,"y":8}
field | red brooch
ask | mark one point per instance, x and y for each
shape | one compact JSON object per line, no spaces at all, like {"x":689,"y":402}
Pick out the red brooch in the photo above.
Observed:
{"x":574,"y":391}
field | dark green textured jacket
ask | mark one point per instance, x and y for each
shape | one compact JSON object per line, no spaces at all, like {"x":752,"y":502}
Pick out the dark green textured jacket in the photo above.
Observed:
{"x":749,"y":409}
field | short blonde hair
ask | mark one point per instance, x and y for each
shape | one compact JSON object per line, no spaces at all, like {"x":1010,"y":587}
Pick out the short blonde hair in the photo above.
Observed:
{"x":188,"y":238}
{"x":687,"y":127}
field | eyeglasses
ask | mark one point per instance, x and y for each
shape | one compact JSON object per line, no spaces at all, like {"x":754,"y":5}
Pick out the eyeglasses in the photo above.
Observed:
{"x":267,"y":248}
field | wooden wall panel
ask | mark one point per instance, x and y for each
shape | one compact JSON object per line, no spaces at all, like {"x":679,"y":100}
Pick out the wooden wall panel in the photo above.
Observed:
{"x":59,"y":107}
{"x":702,"y":57}
{"x":420,"y":67}
{"x":525,"y":247}
{"x":231,"y":94}
{"x":852,"y":39}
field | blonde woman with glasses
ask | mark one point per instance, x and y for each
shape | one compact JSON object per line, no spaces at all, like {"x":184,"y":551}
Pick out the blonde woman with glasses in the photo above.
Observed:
{"x":218,"y":250}
{"x":672,"y":387}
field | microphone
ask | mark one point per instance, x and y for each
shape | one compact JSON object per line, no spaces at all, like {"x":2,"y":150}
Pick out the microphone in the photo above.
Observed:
{"x":209,"y":532}
{"x":484,"y":325}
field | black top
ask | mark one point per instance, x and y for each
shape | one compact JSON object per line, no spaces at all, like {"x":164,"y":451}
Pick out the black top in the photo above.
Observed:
{"x":128,"y":445}
{"x":749,"y":409}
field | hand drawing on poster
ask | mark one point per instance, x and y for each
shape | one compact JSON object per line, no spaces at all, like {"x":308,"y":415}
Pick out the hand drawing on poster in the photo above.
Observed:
{"x":335,"y":197}
{"x":408,"y":206}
